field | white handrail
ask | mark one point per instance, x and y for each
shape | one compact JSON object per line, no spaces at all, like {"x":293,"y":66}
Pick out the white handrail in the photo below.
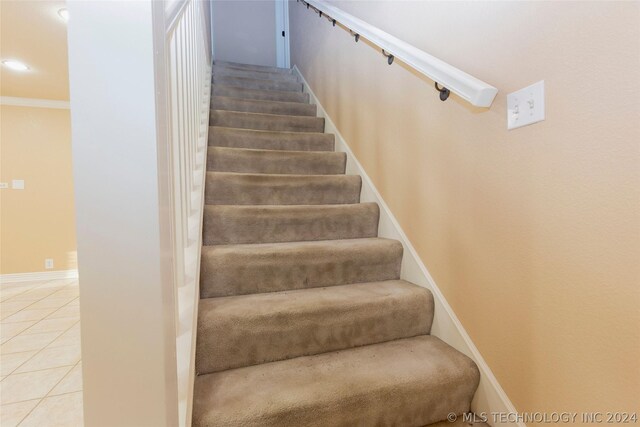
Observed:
{"x":469,"y":88}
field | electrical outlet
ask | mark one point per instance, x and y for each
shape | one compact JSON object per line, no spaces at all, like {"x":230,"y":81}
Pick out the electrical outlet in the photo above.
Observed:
{"x":48,"y":263}
{"x":4,"y":185}
{"x":526,"y":106}
{"x":17,"y":184}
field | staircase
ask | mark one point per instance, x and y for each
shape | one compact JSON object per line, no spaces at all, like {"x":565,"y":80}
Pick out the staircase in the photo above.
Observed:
{"x":303,"y":318}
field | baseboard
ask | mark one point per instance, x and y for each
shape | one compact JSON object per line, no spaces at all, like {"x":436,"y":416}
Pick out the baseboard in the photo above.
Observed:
{"x":38,"y":275}
{"x":490,"y":398}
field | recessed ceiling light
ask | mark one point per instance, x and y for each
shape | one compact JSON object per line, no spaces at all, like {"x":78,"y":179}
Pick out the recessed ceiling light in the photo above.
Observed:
{"x":15,"y":65}
{"x":64,"y":14}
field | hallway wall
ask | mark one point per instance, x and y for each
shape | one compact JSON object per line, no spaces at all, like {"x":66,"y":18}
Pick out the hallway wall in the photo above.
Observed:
{"x":245,"y":31}
{"x":39,"y":221}
{"x":533,"y":235}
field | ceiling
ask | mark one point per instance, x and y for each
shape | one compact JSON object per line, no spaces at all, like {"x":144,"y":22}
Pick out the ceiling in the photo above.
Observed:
{"x":32,"y":32}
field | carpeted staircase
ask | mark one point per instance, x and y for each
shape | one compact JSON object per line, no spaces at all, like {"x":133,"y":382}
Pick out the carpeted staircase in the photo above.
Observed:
{"x":303,"y":318}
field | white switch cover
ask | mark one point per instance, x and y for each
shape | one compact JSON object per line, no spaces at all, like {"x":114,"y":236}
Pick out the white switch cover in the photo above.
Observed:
{"x":48,"y":263}
{"x":17,"y":184}
{"x":4,"y":185}
{"x":525,"y":106}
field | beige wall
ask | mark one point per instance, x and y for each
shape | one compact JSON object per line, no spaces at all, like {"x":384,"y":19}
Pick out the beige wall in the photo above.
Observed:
{"x":245,"y":31}
{"x":533,"y":235}
{"x":37,"y":222}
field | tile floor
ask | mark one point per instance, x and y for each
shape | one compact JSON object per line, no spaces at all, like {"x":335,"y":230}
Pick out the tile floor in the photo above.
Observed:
{"x":40,"y":378}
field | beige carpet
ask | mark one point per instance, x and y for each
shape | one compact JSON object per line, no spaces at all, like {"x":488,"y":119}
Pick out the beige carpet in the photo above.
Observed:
{"x":304,"y":320}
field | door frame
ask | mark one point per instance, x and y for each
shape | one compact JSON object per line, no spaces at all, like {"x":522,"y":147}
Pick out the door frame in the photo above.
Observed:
{"x":282,"y":43}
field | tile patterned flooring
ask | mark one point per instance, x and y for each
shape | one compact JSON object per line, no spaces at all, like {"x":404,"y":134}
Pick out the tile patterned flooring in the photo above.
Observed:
{"x":41,"y":371}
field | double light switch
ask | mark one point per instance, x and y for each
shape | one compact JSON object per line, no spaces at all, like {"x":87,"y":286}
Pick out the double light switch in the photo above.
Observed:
{"x":525,"y":106}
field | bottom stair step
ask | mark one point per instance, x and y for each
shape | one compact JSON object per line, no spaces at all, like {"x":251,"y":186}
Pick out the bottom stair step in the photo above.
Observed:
{"x":408,"y":382}
{"x":251,"y":329}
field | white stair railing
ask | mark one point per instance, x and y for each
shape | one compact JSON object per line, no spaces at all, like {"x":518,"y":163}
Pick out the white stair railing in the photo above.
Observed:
{"x":189,"y":76}
{"x":467,"y":87}
{"x":140,"y":76}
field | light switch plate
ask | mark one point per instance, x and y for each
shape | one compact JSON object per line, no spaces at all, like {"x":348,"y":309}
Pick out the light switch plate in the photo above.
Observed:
{"x":48,"y":263}
{"x":17,"y":184}
{"x":526,"y":106}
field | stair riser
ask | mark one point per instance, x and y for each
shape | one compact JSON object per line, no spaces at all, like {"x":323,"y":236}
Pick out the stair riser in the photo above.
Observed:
{"x":275,"y":162}
{"x":268,"y":122}
{"x":248,"y":224}
{"x":261,"y":75}
{"x":261,"y":68}
{"x":245,"y":331}
{"x":265,"y":107}
{"x":227,"y":271}
{"x":260,"y":84}
{"x":265,"y":95}
{"x":296,"y":141}
{"x":408,"y":382}
{"x":248,"y":189}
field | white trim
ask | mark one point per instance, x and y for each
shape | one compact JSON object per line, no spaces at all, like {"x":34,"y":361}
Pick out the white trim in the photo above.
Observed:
{"x":282,"y":24}
{"x":194,"y":251}
{"x":34,"y":102}
{"x":490,"y":397}
{"x":173,"y":11}
{"x":287,"y":45}
{"x":38,"y":275}
{"x":213,"y":45}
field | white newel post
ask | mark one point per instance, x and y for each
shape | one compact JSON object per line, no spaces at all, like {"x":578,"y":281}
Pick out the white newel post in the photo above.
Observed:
{"x":123,"y":213}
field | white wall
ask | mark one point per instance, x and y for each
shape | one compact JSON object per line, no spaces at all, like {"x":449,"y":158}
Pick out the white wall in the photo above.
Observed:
{"x":124,"y":254}
{"x":245,"y":31}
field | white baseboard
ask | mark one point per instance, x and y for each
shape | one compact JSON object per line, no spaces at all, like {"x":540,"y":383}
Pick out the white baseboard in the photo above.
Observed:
{"x":38,"y":275}
{"x":490,"y":398}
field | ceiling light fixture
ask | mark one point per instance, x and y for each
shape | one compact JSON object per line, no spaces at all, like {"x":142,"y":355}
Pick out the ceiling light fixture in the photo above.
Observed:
{"x":15,"y":65}
{"x":64,"y":14}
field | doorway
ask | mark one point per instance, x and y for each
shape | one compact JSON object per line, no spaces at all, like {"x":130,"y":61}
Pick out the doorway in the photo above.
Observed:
{"x":282,"y":34}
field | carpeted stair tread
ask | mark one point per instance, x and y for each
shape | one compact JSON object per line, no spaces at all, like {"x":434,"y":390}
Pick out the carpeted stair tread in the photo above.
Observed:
{"x":220,"y":71}
{"x":247,"y":330}
{"x":270,"y":140}
{"x":271,"y":267}
{"x":272,"y":122}
{"x":408,"y":382}
{"x":264,"y":68}
{"x":225,"y":224}
{"x":259,"y":106}
{"x":266,"y":95}
{"x":303,"y":319}
{"x":228,"y":188}
{"x":260,"y":84}
{"x":245,"y":160}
